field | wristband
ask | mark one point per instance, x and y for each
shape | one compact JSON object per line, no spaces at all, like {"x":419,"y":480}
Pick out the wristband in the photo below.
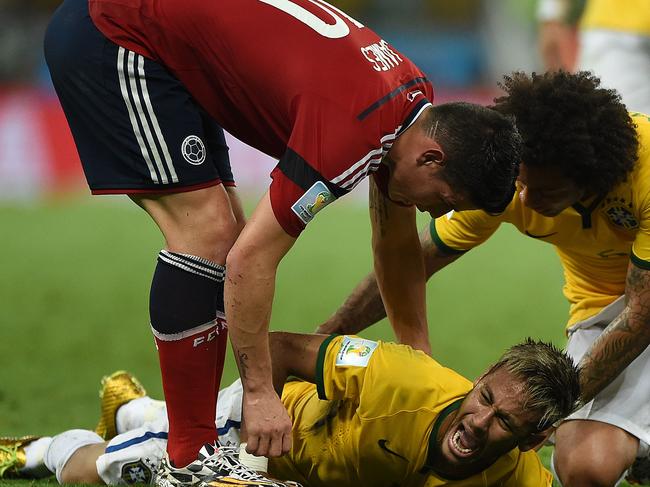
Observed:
{"x":550,"y":10}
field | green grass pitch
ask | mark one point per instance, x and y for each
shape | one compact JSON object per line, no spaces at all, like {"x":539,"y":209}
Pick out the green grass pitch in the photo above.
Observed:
{"x":75,"y":279}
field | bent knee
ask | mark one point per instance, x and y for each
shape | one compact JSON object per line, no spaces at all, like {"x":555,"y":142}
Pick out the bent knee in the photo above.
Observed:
{"x":592,"y":453}
{"x":201,"y":223}
{"x":580,"y":470}
{"x":588,"y":478}
{"x":210,"y":236}
{"x":221,"y":231}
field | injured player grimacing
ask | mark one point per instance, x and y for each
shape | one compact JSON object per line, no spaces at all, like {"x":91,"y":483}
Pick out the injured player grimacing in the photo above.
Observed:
{"x":363,"y":413}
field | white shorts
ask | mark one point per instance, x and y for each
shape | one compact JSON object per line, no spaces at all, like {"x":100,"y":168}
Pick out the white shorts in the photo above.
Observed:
{"x":133,"y":456}
{"x":625,"y":402}
{"x":622,"y":61}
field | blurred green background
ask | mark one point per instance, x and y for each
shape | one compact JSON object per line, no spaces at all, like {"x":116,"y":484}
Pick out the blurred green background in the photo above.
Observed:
{"x":76,"y":274}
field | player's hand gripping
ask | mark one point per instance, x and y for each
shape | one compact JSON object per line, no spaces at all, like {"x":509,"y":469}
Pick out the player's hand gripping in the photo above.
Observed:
{"x":268,"y":426}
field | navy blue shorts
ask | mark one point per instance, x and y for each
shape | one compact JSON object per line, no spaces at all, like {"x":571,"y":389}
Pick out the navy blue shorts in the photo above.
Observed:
{"x":136,"y":127}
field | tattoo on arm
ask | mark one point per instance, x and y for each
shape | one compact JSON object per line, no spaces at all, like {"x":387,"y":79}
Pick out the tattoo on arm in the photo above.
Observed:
{"x":242,"y":360}
{"x":379,"y":208}
{"x":623,"y":340}
{"x":363,"y":308}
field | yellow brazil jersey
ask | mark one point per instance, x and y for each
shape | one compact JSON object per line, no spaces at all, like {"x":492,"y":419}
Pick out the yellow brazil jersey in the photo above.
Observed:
{"x":369,"y":419}
{"x":631,"y":16}
{"x":595,"y":239}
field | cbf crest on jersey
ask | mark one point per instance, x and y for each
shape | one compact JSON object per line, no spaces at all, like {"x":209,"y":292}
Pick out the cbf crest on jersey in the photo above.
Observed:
{"x":136,"y":473}
{"x":355,"y":351}
{"x":314,"y":200}
{"x":619,"y":211}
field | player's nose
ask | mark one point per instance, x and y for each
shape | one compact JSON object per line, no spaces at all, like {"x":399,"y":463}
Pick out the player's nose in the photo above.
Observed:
{"x":480,"y":421}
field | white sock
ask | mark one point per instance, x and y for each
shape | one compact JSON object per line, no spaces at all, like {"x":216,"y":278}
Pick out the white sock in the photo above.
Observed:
{"x":136,"y":413}
{"x":63,"y":446}
{"x":34,"y":461}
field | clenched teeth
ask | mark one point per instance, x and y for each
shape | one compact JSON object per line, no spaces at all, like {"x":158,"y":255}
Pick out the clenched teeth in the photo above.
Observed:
{"x":456,"y":440}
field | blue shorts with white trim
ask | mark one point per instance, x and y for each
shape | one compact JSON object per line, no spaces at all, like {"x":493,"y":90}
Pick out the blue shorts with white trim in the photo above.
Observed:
{"x":136,"y":127}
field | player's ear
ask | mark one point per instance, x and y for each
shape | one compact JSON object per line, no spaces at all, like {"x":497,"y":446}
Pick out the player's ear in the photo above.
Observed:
{"x":433,"y":155}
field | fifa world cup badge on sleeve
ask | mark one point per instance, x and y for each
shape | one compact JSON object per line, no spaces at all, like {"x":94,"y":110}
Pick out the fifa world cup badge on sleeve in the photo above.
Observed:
{"x":355,"y":352}
{"x":315,"y":199}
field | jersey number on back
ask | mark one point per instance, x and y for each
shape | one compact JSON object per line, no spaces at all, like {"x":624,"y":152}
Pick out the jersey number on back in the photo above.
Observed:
{"x":333,"y":31}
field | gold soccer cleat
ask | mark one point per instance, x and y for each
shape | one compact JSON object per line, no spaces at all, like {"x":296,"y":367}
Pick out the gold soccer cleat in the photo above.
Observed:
{"x":117,"y":389}
{"x":12,"y":455}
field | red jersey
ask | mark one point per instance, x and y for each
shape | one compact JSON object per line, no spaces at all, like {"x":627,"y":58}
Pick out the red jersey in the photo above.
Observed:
{"x":297,"y":79}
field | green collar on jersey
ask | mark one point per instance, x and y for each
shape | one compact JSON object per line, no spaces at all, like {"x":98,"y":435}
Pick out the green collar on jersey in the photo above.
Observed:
{"x":586,"y":211}
{"x":433,"y":445}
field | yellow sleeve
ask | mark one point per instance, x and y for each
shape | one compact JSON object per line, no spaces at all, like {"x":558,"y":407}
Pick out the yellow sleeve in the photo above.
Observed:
{"x":372,"y":373}
{"x":631,"y":16}
{"x":641,"y":246}
{"x":341,"y":366}
{"x":460,"y":231}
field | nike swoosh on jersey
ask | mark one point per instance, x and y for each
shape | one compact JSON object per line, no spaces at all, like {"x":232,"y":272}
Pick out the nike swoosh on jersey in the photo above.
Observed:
{"x":540,"y":236}
{"x":382,"y":445}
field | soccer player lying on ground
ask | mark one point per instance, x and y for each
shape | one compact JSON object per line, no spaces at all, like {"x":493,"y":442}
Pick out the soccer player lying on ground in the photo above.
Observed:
{"x":147,"y":86}
{"x":365,"y":414}
{"x":584,"y":187}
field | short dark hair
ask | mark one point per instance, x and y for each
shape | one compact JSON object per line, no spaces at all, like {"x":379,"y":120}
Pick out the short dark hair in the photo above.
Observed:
{"x":569,"y":121}
{"x":482,"y":150}
{"x":550,"y":377}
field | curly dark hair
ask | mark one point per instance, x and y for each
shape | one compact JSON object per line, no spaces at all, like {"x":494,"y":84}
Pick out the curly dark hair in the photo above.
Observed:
{"x":569,"y":121}
{"x":483,"y":151}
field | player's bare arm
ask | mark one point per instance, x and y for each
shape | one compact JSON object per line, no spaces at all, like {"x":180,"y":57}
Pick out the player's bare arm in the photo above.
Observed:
{"x":556,"y":35}
{"x":294,"y":354}
{"x":249,"y":289}
{"x":399,"y":267}
{"x":364,"y":306}
{"x":624,"y":338}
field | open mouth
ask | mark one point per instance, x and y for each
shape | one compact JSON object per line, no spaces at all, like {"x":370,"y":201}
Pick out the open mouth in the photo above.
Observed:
{"x":462,"y":443}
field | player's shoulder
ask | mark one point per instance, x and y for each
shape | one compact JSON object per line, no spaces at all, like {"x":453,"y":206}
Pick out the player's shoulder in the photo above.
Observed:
{"x":348,"y":350}
{"x":639,"y":179}
{"x":642,"y":125}
{"x":477,"y":217}
{"x":423,"y":370}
